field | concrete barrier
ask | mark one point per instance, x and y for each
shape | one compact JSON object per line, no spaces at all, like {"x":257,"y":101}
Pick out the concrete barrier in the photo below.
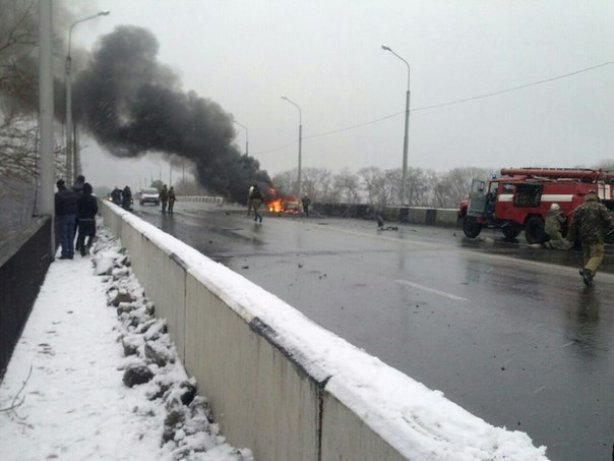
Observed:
{"x":262,"y":395}
{"x":447,"y":217}
{"x":282,"y":385}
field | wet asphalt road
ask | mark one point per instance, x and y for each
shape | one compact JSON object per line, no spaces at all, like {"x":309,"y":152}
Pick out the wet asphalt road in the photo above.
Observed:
{"x":507,"y":331}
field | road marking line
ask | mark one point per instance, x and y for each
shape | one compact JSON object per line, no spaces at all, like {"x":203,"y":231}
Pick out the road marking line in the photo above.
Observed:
{"x":431,"y":290}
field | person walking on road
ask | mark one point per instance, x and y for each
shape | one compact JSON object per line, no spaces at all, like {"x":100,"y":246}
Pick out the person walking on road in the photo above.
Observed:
{"x":254,"y":200}
{"x":87,"y":209}
{"x":250,"y":204}
{"x":306,"y":201}
{"x":171,"y":199}
{"x":66,"y":215}
{"x":590,"y":224}
{"x":554,"y":221}
{"x":163,"y":197}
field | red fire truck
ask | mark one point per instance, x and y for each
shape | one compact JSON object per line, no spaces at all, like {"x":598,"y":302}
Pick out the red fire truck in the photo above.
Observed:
{"x":520,"y":198}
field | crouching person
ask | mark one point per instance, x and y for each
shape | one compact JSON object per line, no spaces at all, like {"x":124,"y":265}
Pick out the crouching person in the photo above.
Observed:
{"x":554,"y":222}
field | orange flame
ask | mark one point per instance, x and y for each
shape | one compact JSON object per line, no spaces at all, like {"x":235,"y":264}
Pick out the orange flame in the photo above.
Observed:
{"x":275,"y":206}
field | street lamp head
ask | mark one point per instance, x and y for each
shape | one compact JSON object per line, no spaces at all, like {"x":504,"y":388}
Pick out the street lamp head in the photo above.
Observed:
{"x":283,"y":97}
{"x":104,"y":13}
{"x":387,"y":48}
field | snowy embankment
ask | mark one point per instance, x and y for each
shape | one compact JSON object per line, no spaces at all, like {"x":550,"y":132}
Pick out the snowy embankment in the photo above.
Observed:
{"x":95,"y":376}
{"x":418,"y":423}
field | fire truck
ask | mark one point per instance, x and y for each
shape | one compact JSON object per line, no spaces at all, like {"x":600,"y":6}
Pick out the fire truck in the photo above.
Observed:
{"x":519,"y":199}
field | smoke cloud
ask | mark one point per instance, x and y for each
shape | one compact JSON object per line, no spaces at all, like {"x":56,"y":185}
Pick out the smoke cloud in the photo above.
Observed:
{"x":132,"y":105}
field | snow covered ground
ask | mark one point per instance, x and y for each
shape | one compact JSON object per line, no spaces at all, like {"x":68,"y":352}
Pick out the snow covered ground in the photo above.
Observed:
{"x":63,"y":395}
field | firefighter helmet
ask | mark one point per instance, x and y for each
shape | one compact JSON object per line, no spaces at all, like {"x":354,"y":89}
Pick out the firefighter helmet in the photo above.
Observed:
{"x":555,"y":207}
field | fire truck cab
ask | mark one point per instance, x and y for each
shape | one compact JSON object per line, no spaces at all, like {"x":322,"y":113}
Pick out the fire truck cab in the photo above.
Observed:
{"x":519,"y":199}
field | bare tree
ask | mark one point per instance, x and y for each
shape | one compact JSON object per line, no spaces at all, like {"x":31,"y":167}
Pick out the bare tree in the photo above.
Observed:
{"x":18,"y":65}
{"x":606,"y":165}
{"x":454,"y":185}
{"x":317,"y":183}
{"x":375,"y":184}
{"x":347,"y":187}
{"x":285,"y":182}
{"x":420,"y":185}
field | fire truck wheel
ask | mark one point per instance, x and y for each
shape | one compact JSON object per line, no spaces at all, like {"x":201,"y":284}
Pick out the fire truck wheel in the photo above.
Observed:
{"x":534,"y":230}
{"x":471,"y":228}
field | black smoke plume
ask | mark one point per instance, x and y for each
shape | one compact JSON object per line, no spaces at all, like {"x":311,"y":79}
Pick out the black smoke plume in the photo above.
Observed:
{"x":133,"y":105}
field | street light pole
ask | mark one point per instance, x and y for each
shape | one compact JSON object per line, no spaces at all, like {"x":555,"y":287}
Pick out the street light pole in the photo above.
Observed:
{"x":246,"y":137}
{"x":406,"y":137}
{"x":300,"y":142}
{"x":70,"y":144}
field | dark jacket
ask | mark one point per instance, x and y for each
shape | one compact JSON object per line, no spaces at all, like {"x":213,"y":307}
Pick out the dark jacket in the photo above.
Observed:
{"x":88,"y":207}
{"x":66,"y":202}
{"x":590,"y":222}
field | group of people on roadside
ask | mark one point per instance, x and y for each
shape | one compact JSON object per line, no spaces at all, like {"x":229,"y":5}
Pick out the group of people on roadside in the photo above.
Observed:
{"x":122,"y":198}
{"x":167,"y":199}
{"x":75,"y":209}
{"x":590,"y":224}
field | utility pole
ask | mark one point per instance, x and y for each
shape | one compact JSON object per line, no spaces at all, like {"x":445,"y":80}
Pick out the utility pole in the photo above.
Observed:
{"x":45,"y":38}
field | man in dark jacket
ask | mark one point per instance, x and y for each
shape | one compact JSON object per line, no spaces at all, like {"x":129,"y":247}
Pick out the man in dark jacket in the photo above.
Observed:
{"x":88,"y":208}
{"x":116,"y":196}
{"x":66,"y":215}
{"x":171,"y":199}
{"x":590,"y":224}
{"x":78,"y":185}
{"x":163,"y":197}
{"x":127,"y":199}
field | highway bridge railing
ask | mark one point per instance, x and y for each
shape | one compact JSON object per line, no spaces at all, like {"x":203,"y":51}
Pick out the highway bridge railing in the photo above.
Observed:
{"x":282,"y":385}
{"x":446,"y":217}
{"x":24,"y":260}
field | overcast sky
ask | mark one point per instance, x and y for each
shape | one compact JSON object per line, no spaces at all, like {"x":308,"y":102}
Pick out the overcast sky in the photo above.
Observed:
{"x":326,"y":56}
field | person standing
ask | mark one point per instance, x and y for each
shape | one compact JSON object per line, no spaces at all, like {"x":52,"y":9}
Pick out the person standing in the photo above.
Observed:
{"x":78,"y":185}
{"x":163,"y":197}
{"x":171,"y":199}
{"x":66,"y":215}
{"x":116,"y":196}
{"x":255,"y":200}
{"x":590,"y":224}
{"x":306,"y":202}
{"x":78,"y":188}
{"x":87,"y":209}
{"x":127,"y":199}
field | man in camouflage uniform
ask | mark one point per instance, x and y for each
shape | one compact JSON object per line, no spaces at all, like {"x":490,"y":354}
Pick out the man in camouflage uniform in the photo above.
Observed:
{"x":590,"y":224}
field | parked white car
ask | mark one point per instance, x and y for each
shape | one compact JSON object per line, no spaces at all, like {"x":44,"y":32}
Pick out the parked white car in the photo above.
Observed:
{"x":149,"y":195}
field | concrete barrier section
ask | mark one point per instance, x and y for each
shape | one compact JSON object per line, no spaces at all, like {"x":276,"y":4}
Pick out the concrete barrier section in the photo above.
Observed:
{"x":262,"y":398}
